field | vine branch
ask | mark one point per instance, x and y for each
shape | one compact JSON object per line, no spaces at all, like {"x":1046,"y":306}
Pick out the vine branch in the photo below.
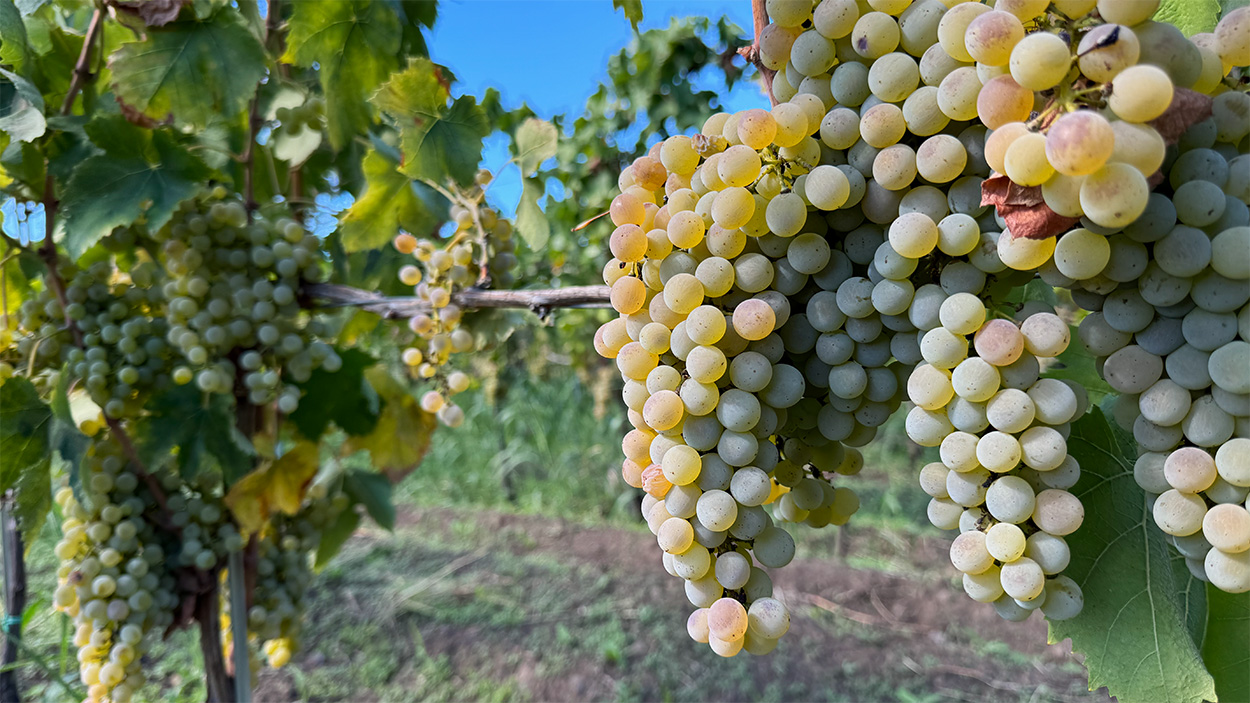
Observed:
{"x":82,"y":73}
{"x":540,"y":301}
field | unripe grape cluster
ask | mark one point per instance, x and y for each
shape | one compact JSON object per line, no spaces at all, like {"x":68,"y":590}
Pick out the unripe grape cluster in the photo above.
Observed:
{"x":232,"y":301}
{"x":786,"y":279}
{"x":283,"y":575}
{"x":479,"y":252}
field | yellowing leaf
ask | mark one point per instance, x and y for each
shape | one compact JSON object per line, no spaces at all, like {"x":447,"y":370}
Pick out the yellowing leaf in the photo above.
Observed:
{"x":276,"y":487}
{"x":403,"y":433}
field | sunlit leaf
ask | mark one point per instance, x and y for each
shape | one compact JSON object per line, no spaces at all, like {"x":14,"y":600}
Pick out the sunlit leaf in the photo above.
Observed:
{"x":535,"y":143}
{"x":391,"y":201}
{"x":276,"y":487}
{"x":531,"y":221}
{"x":632,"y":10}
{"x":354,"y":43}
{"x":21,"y":108}
{"x":1189,"y":16}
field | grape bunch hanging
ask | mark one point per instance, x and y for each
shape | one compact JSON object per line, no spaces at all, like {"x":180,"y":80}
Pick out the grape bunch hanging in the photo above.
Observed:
{"x":789,"y":278}
{"x":479,"y":252}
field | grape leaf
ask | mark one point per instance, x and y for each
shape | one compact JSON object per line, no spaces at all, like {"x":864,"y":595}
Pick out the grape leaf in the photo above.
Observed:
{"x":1226,"y":648}
{"x":21,"y":110}
{"x":201,"y":426}
{"x":535,"y":143}
{"x":1190,"y":16}
{"x":1227,"y":6}
{"x":632,"y":10}
{"x":154,"y":13}
{"x":1077,"y":364}
{"x":391,"y":201}
{"x":11,"y":295}
{"x":27,"y":7}
{"x":402,"y":436}
{"x":131,"y":179}
{"x":276,"y":487}
{"x":336,"y":535}
{"x":374,"y":492}
{"x":33,"y":498}
{"x":14,"y":46}
{"x":24,"y":424}
{"x":343,"y":397}
{"x":354,"y":43}
{"x":437,"y":141}
{"x":197,"y":72}
{"x":531,"y":221}
{"x":1133,"y":631}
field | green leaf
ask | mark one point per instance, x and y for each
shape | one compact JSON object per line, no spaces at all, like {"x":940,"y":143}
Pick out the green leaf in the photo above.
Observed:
{"x":15,"y":286}
{"x":29,"y":6}
{"x":355,"y":43}
{"x":1133,"y":631}
{"x":449,"y":146}
{"x":21,"y":112}
{"x":374,"y":492}
{"x":334,"y":536}
{"x":343,"y":397}
{"x":1226,"y":649}
{"x":197,"y":72}
{"x":24,"y":424}
{"x":632,"y":10}
{"x":391,"y":201}
{"x":531,"y":221}
{"x":1227,"y":6}
{"x":34,"y":498}
{"x":14,"y":47}
{"x":64,"y":437}
{"x":1077,"y":364}
{"x":1189,"y":16}
{"x":203,"y":430}
{"x":437,"y":142}
{"x":132,"y":179}
{"x":535,"y":143}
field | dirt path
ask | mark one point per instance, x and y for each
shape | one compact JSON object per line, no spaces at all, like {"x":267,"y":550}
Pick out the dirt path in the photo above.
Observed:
{"x":857,"y":634}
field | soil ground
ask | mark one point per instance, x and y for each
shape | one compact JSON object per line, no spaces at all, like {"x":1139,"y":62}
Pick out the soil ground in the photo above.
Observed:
{"x":462,"y":604}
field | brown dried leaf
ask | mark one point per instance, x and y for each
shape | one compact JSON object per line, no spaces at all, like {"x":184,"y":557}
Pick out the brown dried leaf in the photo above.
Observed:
{"x":1035,"y":221}
{"x":1188,"y":108}
{"x":999,"y":190}
{"x":1023,"y":208}
{"x":154,"y":13}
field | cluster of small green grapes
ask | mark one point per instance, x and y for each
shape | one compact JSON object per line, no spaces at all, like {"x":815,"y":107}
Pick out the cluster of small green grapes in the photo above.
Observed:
{"x":232,"y":300}
{"x":115,"y":578}
{"x":1169,"y":322}
{"x":479,"y":252}
{"x":124,"y":354}
{"x":283,"y":575}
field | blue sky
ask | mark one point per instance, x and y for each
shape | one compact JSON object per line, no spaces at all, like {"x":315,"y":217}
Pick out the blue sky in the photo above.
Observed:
{"x":551,"y":55}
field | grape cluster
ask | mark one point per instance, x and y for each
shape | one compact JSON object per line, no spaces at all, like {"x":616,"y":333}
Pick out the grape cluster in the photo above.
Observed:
{"x":124,"y":354}
{"x":115,"y":577}
{"x":787,"y":278}
{"x":232,"y":300}
{"x":1170,"y":326}
{"x":284,"y":573}
{"x":479,"y":252}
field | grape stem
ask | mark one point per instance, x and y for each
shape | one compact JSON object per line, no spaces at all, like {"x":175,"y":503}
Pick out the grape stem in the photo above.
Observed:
{"x":540,"y":301}
{"x":759,"y":15}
